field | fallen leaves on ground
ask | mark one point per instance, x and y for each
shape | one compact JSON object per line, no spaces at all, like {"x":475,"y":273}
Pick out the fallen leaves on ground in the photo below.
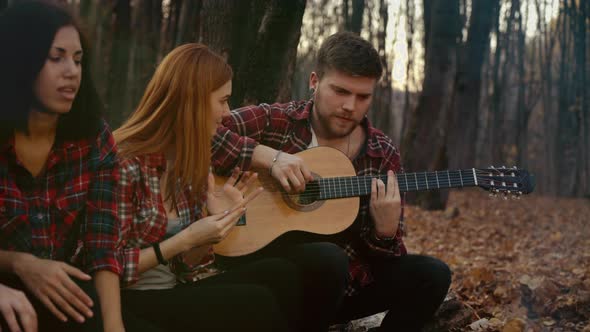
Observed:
{"x":518,"y":265}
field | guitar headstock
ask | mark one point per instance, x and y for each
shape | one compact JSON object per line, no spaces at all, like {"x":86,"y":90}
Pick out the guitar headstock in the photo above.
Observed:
{"x":507,"y":181}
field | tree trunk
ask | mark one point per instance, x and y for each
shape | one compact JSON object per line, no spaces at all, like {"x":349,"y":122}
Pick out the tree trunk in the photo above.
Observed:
{"x":257,"y":44}
{"x":353,"y":15}
{"x":188,"y":22}
{"x":463,"y":129}
{"x":569,"y":112}
{"x":579,"y":20}
{"x":423,"y":144}
{"x":119,"y":60}
{"x":276,"y":47}
{"x":523,"y":111}
{"x":145,"y":41}
{"x":381,"y":110}
{"x":548,"y":183}
{"x":410,"y":10}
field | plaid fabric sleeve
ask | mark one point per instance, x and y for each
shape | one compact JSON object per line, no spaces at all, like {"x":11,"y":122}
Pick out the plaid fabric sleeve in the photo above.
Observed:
{"x":388,"y":247}
{"x":236,"y":139}
{"x":100,"y":230}
{"x":125,"y":209}
{"x":181,"y":264}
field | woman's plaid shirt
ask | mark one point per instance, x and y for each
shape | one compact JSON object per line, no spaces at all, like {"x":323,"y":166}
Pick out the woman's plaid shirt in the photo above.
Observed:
{"x":143,"y":218}
{"x":286,"y":127}
{"x":68,"y":212}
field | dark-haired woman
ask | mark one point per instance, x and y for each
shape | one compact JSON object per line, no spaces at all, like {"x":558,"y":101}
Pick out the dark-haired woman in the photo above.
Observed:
{"x":58,"y":224}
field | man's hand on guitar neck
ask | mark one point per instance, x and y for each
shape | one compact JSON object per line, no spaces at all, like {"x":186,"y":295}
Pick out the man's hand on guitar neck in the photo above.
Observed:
{"x":286,"y":168}
{"x":385,"y":206}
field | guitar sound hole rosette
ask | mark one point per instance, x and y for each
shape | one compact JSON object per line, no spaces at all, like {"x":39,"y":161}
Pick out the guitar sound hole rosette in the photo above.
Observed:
{"x":307,"y":200}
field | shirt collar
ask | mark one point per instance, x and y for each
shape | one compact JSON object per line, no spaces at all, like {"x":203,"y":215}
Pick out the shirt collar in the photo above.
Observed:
{"x":155,"y":160}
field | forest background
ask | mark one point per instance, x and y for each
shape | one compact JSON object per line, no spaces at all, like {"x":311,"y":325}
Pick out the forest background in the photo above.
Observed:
{"x":467,"y":83}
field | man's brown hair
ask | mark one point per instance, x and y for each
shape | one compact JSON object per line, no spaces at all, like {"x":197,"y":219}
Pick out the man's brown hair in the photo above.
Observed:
{"x":349,"y":53}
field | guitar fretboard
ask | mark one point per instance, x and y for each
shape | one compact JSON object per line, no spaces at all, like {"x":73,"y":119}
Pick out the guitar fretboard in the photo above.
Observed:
{"x":352,"y":186}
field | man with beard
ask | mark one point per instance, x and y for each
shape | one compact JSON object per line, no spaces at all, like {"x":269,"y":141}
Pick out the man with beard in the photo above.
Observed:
{"x":382,"y":275}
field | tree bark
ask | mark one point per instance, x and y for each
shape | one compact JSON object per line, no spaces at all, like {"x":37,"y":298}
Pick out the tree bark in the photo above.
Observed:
{"x":523,"y":111}
{"x":423,"y":144}
{"x":410,"y":10}
{"x":119,"y":60}
{"x":188,"y":22}
{"x":353,"y":12}
{"x":567,"y":122}
{"x":463,"y":129}
{"x":381,"y":110}
{"x":143,"y":49}
{"x":256,"y":44}
{"x":579,"y":24}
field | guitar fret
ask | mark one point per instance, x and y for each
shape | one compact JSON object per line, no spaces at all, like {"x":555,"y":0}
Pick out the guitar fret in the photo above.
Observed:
{"x":406,"y":177}
{"x":346,"y":186}
{"x":461,"y":177}
{"x":416,"y":179}
{"x":332,"y":191}
{"x":426,"y":178}
{"x":437,"y":184}
{"x":449,"y":178}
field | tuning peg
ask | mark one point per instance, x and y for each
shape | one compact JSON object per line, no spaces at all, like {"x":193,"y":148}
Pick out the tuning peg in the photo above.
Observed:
{"x":503,"y":167}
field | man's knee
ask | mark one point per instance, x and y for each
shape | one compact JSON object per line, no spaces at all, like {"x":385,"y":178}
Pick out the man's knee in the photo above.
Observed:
{"x":441,"y":273}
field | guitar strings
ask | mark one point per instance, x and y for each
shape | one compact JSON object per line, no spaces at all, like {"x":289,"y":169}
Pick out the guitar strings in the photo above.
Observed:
{"x":342,"y":185}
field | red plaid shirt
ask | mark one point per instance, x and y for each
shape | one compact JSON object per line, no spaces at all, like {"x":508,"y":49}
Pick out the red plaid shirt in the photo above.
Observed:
{"x":144,"y":220}
{"x":68,"y":212}
{"x":286,"y":127}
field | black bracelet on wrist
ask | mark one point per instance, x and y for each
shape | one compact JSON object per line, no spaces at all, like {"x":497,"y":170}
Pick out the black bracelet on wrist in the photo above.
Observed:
{"x":158,"y":252}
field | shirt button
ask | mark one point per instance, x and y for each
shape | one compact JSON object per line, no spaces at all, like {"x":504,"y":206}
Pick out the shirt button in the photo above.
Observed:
{"x":40,"y":216}
{"x":2,"y":209}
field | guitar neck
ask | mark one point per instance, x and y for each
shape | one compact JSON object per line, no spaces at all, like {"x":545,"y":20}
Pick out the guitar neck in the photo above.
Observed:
{"x":352,"y":186}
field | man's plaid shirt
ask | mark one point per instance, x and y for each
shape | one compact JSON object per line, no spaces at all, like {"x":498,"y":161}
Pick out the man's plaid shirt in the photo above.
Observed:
{"x":286,"y":127}
{"x":68,"y":212}
{"x":143,"y":218}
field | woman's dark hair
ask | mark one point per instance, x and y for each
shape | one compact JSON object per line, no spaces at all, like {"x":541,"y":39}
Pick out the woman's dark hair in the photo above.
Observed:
{"x":27,"y":31}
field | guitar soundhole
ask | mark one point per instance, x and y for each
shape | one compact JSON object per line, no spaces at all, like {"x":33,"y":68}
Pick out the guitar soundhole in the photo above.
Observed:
{"x":307,"y":200}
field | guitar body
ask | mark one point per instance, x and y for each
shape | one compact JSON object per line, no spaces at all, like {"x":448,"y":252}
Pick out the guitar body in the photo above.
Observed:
{"x":274,"y":213}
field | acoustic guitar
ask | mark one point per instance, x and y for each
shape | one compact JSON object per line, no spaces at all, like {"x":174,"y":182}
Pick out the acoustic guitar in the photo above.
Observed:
{"x":330,"y":202}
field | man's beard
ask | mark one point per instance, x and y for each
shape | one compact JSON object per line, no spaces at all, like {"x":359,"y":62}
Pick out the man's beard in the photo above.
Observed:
{"x":326,"y":126}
